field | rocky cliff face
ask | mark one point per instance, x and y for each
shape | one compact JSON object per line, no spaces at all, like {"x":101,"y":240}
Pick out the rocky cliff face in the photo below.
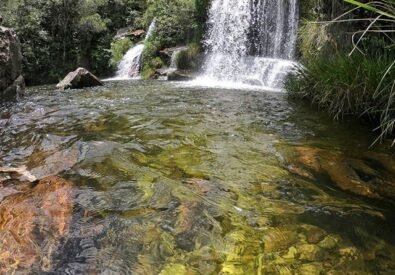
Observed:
{"x":12,"y":83}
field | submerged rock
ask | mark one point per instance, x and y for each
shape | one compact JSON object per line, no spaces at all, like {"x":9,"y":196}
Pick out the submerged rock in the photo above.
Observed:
{"x":78,"y":79}
{"x":330,"y":242}
{"x":32,"y":225}
{"x":311,"y":269}
{"x":56,"y":162}
{"x":359,"y":176}
{"x":179,"y":76}
{"x":280,"y":238}
{"x":12,"y":83}
{"x":176,"y":269}
{"x":43,"y":163}
{"x":16,"y":173}
{"x":313,"y":234}
{"x":309,"y":252}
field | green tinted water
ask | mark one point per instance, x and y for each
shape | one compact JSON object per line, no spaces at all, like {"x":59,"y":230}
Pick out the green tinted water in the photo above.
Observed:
{"x":173,"y":179}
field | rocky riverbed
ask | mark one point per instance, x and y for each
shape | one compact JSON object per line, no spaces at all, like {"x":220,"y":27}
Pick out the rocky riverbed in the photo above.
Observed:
{"x":155,"y":178}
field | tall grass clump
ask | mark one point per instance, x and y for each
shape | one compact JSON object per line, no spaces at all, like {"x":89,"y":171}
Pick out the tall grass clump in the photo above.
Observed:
{"x":344,"y":85}
{"x":359,"y":80}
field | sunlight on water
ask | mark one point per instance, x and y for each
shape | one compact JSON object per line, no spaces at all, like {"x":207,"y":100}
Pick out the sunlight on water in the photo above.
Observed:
{"x":153,"y":178}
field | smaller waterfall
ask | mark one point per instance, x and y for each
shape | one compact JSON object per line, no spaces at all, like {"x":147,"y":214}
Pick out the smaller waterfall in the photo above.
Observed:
{"x":130,"y":65}
{"x":173,"y":60}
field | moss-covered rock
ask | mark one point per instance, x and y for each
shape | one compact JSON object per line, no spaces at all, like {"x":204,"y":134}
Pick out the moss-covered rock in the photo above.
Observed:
{"x":190,"y":58}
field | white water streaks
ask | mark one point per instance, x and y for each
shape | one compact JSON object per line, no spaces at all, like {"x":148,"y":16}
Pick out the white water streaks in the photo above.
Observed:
{"x":250,"y":43}
{"x":129,"y":67}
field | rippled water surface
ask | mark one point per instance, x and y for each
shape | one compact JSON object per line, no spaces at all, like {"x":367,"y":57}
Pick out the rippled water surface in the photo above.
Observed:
{"x":154,"y":178}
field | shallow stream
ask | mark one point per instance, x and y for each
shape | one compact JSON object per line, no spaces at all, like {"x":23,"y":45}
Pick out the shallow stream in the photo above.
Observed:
{"x":158,"y":178}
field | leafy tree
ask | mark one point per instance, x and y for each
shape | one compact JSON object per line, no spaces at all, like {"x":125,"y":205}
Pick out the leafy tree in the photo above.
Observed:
{"x":59,"y":35}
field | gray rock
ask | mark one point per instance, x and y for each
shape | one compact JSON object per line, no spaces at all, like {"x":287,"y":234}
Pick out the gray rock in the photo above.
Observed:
{"x":78,"y":79}
{"x":128,"y":32}
{"x":179,"y":76}
{"x":12,"y":83}
{"x":16,"y":89}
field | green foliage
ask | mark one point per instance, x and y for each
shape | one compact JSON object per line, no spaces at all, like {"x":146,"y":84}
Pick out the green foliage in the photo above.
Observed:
{"x":309,"y":9}
{"x":188,"y":59}
{"x":93,"y":23}
{"x":119,"y":48}
{"x":346,"y":85}
{"x":150,"y":57}
{"x":147,"y":72}
{"x":341,"y":84}
{"x":385,"y":8}
{"x":385,"y":90}
{"x":59,"y":35}
{"x":314,"y":39}
{"x":157,"y":63}
{"x":348,"y":63}
{"x":175,"y":20}
{"x":201,"y":17}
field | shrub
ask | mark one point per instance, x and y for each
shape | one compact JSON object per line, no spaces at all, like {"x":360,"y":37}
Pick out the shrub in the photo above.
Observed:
{"x":151,"y":61}
{"x":348,"y":85}
{"x":350,"y":76}
{"x":119,"y":48}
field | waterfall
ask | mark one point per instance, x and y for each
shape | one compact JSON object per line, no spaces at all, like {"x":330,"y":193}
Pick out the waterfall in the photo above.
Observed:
{"x":130,"y":65}
{"x":250,"y":42}
{"x":173,"y":59}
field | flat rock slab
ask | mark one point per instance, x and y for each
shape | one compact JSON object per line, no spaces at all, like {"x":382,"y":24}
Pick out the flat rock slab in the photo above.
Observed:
{"x":33,"y":222}
{"x":80,"y":78}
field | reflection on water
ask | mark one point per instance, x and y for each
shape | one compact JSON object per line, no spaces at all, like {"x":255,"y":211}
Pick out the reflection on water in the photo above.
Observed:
{"x":163,"y":179}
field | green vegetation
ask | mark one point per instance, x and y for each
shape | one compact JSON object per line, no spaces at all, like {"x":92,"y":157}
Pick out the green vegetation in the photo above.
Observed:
{"x":344,"y":85}
{"x":178,"y":22}
{"x":348,"y":63}
{"x":119,"y":48}
{"x":59,"y":35}
{"x":189,"y":59}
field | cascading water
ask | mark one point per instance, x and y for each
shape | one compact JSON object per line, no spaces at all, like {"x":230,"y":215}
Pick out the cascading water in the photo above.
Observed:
{"x":173,"y":59}
{"x":250,"y":42}
{"x":130,"y":65}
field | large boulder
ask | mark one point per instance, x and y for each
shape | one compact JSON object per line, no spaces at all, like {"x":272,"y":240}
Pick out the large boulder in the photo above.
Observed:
{"x":12,"y":83}
{"x":78,"y":79}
